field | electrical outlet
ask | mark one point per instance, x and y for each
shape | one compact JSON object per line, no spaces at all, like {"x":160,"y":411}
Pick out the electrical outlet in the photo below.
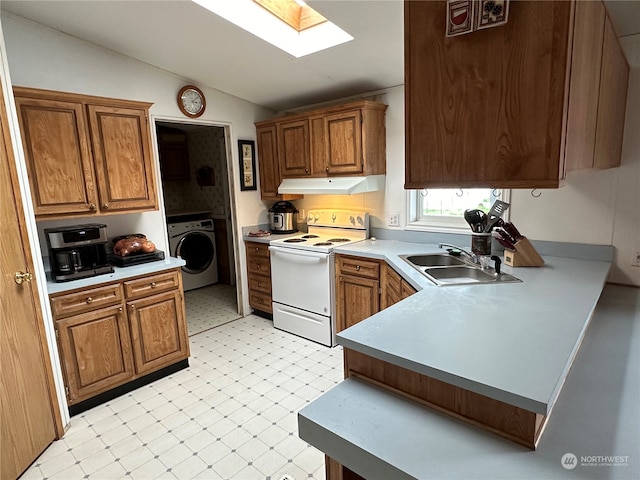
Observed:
{"x":393,"y":219}
{"x":635,"y":257}
{"x":301,"y":216}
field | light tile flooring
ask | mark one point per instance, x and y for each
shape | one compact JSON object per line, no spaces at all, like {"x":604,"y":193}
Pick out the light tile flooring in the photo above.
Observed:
{"x":230,"y":415}
{"x":209,"y":307}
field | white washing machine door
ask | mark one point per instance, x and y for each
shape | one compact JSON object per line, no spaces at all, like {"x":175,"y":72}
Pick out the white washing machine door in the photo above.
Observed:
{"x":197,"y":249}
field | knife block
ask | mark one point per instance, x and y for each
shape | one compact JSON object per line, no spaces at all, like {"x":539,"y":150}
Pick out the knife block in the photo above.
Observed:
{"x":524,"y":256}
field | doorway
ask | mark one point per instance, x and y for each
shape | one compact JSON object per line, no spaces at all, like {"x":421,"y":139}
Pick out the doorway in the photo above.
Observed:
{"x":196,"y":194}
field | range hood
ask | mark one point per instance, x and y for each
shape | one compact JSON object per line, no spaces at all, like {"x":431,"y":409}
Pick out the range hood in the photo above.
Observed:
{"x":332,"y":185}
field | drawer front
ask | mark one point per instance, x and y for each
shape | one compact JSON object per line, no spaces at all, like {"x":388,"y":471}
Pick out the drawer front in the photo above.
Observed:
{"x":260,"y":283}
{"x":260,"y":301}
{"x":358,"y":266}
{"x":257,"y":249}
{"x":259,"y":265}
{"x":86,"y":300}
{"x":152,"y":284}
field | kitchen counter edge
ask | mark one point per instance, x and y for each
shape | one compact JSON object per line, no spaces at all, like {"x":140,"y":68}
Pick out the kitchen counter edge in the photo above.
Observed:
{"x":119,"y":274}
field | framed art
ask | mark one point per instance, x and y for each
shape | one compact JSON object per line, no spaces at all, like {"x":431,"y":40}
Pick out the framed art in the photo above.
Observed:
{"x":247,"y":154}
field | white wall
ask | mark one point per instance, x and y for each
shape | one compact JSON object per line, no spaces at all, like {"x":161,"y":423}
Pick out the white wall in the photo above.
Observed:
{"x":593,"y":207}
{"x":44,"y":58}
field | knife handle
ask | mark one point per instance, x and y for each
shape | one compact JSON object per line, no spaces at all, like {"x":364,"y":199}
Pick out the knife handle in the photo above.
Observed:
{"x":512,"y":231}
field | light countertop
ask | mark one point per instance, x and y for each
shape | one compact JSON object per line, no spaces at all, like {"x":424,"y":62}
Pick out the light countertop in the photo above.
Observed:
{"x":514,"y":342}
{"x":119,"y":274}
{"x":381,"y":436}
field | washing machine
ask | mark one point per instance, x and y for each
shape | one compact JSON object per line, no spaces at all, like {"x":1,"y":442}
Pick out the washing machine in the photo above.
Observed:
{"x":195,"y":243}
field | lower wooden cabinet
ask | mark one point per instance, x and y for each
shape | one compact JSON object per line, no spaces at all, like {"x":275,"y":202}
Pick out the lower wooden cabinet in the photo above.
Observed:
{"x":259,"y":276}
{"x":156,"y":335}
{"x":95,"y":350}
{"x":111,"y":334}
{"x":364,"y":287}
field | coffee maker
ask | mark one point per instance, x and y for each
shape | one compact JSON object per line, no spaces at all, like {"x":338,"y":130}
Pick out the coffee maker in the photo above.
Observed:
{"x":77,"y":252}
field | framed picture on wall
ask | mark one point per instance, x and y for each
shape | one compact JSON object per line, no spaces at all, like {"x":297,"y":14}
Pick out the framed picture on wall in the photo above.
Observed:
{"x":247,"y":154}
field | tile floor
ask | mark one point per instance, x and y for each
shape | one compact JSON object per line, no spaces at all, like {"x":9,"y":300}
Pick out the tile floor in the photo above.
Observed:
{"x":230,"y":415}
{"x":210,"y":307}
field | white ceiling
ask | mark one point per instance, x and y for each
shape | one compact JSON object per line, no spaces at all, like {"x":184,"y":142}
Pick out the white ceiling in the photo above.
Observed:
{"x":181,"y":37}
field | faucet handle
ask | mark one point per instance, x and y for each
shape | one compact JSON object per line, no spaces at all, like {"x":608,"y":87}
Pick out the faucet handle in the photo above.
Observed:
{"x":498,"y":263}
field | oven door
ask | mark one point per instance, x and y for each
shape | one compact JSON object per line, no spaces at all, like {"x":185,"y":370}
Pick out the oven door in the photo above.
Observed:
{"x":302,"y":279}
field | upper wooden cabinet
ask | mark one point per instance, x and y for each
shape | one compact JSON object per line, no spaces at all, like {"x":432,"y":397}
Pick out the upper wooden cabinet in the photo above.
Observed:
{"x":86,"y":155}
{"x":501,"y":107}
{"x":174,"y":154}
{"x":293,"y":143}
{"x":268,"y":163}
{"x":347,"y":139}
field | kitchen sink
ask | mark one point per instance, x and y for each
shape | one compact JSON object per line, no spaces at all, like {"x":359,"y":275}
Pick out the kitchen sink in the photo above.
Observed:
{"x":444,"y":270}
{"x":435,"y":260}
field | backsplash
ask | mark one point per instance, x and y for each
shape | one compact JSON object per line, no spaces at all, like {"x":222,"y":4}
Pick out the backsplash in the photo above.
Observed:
{"x":206,"y":149}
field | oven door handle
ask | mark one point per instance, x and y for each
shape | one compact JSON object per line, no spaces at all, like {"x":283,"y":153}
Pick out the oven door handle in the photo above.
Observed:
{"x":298,"y":253}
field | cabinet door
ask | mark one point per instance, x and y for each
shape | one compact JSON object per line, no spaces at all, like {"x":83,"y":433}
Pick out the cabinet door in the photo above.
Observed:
{"x":269,"y":170}
{"x":390,"y":286}
{"x":158,"y":331}
{"x":344,"y":142}
{"x":174,"y":161}
{"x":122,"y":156}
{"x":486,"y":109}
{"x":294,"y":148}
{"x":95,"y":352}
{"x":357,"y":298}
{"x":54,"y":136}
{"x":614,"y":82}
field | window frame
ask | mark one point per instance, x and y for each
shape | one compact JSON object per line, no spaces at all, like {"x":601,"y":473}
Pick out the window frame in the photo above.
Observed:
{"x":442,"y":224}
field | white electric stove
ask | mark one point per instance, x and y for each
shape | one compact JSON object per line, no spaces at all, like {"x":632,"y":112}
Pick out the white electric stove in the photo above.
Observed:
{"x":302,"y":273}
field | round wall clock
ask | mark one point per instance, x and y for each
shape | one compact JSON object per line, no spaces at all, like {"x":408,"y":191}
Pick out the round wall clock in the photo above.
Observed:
{"x":191,"y":101}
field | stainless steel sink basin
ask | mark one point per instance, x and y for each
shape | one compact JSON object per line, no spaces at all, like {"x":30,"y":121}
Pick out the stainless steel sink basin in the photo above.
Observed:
{"x":444,"y":269}
{"x":435,"y":260}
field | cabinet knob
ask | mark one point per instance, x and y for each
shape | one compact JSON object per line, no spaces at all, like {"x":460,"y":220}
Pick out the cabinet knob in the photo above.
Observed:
{"x":89,"y":300}
{"x":257,"y":249}
{"x":105,"y":206}
{"x":132,"y":307}
{"x":92,"y":207}
{"x":258,"y":266}
{"x":327,"y":169}
{"x":153,"y":285}
{"x":20,"y":277}
{"x":306,"y":170}
{"x":358,"y":267}
{"x":120,"y":309}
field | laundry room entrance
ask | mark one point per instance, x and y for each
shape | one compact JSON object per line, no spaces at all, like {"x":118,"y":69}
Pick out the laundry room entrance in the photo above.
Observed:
{"x":197,"y":202}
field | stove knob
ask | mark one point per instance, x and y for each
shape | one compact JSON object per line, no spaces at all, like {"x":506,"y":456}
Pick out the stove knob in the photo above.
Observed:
{"x":316,"y":218}
{"x":310,"y":219}
{"x":352,"y":220}
{"x":360,"y":220}
{"x":333,"y":217}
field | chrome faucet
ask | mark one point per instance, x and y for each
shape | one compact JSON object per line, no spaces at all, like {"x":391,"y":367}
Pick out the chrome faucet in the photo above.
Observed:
{"x":472,"y":256}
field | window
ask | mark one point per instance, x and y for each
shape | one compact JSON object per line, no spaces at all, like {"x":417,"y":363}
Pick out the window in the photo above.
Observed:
{"x":442,"y":209}
{"x":290,"y":25}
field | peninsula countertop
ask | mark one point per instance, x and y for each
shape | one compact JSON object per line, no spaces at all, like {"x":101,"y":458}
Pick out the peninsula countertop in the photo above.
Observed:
{"x":512,"y":342}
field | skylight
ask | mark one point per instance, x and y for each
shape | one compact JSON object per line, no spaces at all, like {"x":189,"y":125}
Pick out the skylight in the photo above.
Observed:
{"x":301,"y":32}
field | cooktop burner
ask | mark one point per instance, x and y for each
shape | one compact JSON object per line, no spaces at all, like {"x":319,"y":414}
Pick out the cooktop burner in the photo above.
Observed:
{"x":322,"y":244}
{"x":339,"y":240}
{"x":295,"y":240}
{"x":310,"y":236}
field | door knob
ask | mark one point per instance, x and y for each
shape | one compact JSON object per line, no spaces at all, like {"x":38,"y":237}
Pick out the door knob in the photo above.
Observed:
{"x":20,"y":277}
